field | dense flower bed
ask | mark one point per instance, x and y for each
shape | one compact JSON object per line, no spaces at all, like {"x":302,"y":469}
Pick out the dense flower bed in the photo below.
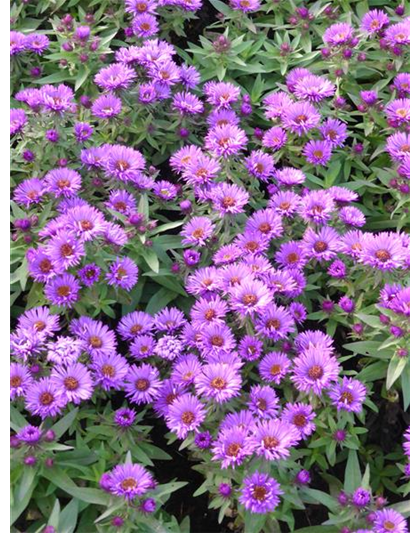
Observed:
{"x":210,"y":259}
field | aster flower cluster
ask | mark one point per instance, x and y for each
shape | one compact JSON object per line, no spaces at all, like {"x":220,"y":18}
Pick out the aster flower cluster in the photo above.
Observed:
{"x":200,"y":251}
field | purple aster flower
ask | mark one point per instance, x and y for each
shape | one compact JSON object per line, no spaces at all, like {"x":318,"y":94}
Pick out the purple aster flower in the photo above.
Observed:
{"x":20,"y":380}
{"x":314,"y":370}
{"x":134,"y":324}
{"x":337,"y":269}
{"x":349,"y":395}
{"x":17,"y":42}
{"x":317,"y":207}
{"x":73,"y":383}
{"x":273,"y":439}
{"x":232,"y":447}
{"x":253,"y":243}
{"x":145,"y":25}
{"x":334,"y":131}
{"x":263,"y":401}
{"x":43,"y":399}
{"x":200,"y":170}
{"x":98,"y":338}
{"x":29,"y":192}
{"x":121,"y":201}
{"x":142,"y":384}
{"x":229,"y":199}
{"x":18,"y":120}
{"x":123,"y":273}
{"x":246,"y":6}
{"x":169,"y":347}
{"x":398,"y":112}
{"x":298,"y":311}
{"x":252,"y":296}
{"x":57,"y":99}
{"x":62,"y":290}
{"x":85,"y":222}
{"x":242,"y":419}
{"x":203,"y":440}
{"x":338,"y":34}
{"x":398,"y":34}
{"x":197,"y":231}
{"x":317,"y":152}
{"x":26,"y":343}
{"x":374,"y":21}
{"x":216,"y":339}
{"x":64,"y":350}
{"x":289,"y":177}
{"x":321,"y":245}
{"x":225,"y":490}
{"x":389,"y":521}
{"x":123,"y":163}
{"x":343,"y":196}
{"x":142,"y":347}
{"x":301,"y":117}
{"x":227,"y":254}
{"x":109,"y":370}
{"x":398,"y":146}
{"x":83,"y":131}
{"x":383,"y":250}
{"x":316,"y":339}
{"x":260,"y":493}
{"x":37,"y":43}
{"x":294,"y":76}
{"x":301,"y":417}
{"x":402,"y":84}
{"x":187,"y":103}
{"x":63,"y":182}
{"x":89,"y":274}
{"x":406,"y":443}
{"x":225,"y":141}
{"x":136,"y":7}
{"x":273,"y":367}
{"x":221,"y":94}
{"x":165,"y":190}
{"x":169,"y":319}
{"x":370,"y":98}
{"x":274,"y":323}
{"x":285,"y":203}
{"x":361,"y":497}
{"x":167,"y":394}
{"x":124,"y":417}
{"x":218,"y":381}
{"x":130,"y":481}
{"x":64,"y":250}
{"x":106,"y":106}
{"x":209,"y":310}
{"x":186,"y":370}
{"x":185,"y":414}
{"x":274,"y":138}
{"x":250,"y":348}
{"x":351,"y":243}
{"x":39,"y":319}
{"x":313,"y":88}
{"x":115,"y":76}
{"x":189,"y":75}
{"x":203,"y":281}
{"x":352,"y":216}
{"x":276,"y":104}
{"x":30,"y":435}
{"x":346,"y":304}
{"x":260,"y":165}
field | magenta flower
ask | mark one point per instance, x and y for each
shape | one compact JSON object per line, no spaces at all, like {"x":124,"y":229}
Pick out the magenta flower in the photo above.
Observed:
{"x":62,"y":290}
{"x":185,"y":414}
{"x":274,"y":366}
{"x":229,"y":199}
{"x":260,"y":493}
{"x":314,"y":370}
{"x":260,"y":165}
{"x":389,"y":521}
{"x":317,"y":152}
{"x":322,"y":245}
{"x":273,"y":439}
{"x":338,"y":34}
{"x":43,"y":399}
{"x":301,"y":117}
{"x":219,"y":382}
{"x":142,"y":384}
{"x":232,"y":447}
{"x":123,"y":273}
{"x":301,"y":416}
{"x":225,"y":141}
{"x":252,"y":296}
{"x":313,"y":88}
{"x":263,"y":402}
{"x":115,"y":76}
{"x":73,"y":382}
{"x":349,"y":395}
{"x":130,"y":481}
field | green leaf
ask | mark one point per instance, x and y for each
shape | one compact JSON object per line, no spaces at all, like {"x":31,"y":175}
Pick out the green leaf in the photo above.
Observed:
{"x":395,"y":369}
{"x":317,"y":496}
{"x":68,"y":517}
{"x":60,"y":479}
{"x":159,"y":300}
{"x":64,"y":423}
{"x":254,"y":523}
{"x":352,"y":476}
{"x":23,"y":493}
